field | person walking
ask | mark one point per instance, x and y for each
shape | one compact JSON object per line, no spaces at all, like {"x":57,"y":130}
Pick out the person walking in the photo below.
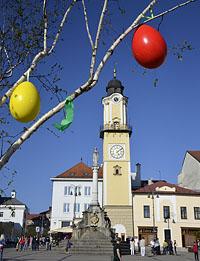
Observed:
{"x":142,"y":247}
{"x":47,"y":243}
{"x":25,"y":243}
{"x":117,"y":251}
{"x":37,"y":243}
{"x":170,"y":247}
{"x":21,"y":243}
{"x":34,"y":243}
{"x":165,"y":247}
{"x":132,"y":246}
{"x":152,"y":244}
{"x":136,"y":244}
{"x":195,"y":250}
{"x":175,"y":252}
{"x":2,"y":243}
{"x":157,"y":246}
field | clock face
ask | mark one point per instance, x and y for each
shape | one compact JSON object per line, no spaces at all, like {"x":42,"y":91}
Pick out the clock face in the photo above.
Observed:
{"x":116,"y":99}
{"x":117,"y":151}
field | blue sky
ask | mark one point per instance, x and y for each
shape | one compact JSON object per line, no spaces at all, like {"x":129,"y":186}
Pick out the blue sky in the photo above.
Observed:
{"x":165,"y":119}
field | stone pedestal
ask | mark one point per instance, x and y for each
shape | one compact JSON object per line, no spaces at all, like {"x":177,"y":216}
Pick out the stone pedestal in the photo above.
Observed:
{"x":93,"y":235}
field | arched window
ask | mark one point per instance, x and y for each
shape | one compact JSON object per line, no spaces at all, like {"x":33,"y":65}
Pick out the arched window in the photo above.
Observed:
{"x":117,"y":170}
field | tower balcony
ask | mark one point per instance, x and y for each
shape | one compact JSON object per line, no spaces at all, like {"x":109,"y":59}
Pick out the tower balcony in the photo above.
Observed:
{"x":115,"y":128}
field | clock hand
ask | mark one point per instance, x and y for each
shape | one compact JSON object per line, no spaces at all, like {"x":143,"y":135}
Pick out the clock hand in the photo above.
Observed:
{"x":119,"y":150}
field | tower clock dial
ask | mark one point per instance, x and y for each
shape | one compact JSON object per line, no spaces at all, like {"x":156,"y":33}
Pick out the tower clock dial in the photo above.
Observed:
{"x":117,"y":151}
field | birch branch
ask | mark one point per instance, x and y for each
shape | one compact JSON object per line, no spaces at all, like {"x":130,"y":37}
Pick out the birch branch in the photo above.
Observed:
{"x":61,"y":26}
{"x":131,"y":27}
{"x":45,"y":25}
{"x":86,"y":86}
{"x":94,"y":53}
{"x":39,"y":55}
{"x":87,"y":24}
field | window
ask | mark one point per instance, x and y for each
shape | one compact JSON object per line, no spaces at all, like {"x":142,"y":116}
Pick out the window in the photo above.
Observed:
{"x":65,"y":223}
{"x":77,"y":207}
{"x":1,"y":214}
{"x":117,"y":170}
{"x":66,"y":207}
{"x":78,"y":191}
{"x":67,"y":190}
{"x":183,"y":213}
{"x":196,"y":213}
{"x":87,"y":191}
{"x":12,"y":213}
{"x":86,"y":206}
{"x":146,"y":212}
{"x":166,"y":212}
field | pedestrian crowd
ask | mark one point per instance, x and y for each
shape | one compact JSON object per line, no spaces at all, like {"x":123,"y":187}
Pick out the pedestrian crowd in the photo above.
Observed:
{"x":139,"y":246}
{"x":168,"y":247}
{"x":33,"y":242}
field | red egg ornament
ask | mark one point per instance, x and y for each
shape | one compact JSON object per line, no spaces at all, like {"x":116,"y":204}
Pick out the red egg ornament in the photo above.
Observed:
{"x":148,"y":47}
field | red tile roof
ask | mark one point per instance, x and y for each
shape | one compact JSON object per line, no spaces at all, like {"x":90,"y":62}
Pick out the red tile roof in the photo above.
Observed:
{"x":159,"y":184}
{"x":195,"y":154}
{"x":32,"y":216}
{"x":80,"y":170}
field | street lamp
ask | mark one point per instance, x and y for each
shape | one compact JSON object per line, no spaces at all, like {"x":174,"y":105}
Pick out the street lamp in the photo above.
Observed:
{"x":76,"y":193}
{"x":167,"y":219}
{"x":152,"y":195}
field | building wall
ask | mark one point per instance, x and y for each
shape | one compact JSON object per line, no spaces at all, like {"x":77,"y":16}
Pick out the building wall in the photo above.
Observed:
{"x":19,"y":214}
{"x":115,"y":184}
{"x":121,"y":220}
{"x":175,"y":223}
{"x":190,"y":173}
{"x":59,"y":198}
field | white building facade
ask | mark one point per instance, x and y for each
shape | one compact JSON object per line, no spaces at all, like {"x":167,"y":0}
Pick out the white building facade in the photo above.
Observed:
{"x":71,"y":195}
{"x":189,"y":176}
{"x":14,"y":211}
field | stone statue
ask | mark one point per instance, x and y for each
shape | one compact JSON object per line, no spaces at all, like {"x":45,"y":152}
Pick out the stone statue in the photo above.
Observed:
{"x":95,"y":158}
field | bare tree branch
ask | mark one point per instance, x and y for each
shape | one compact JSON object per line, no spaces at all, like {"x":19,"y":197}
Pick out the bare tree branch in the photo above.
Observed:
{"x":94,"y":53}
{"x":91,"y":82}
{"x":45,"y":24}
{"x":40,"y":54}
{"x":61,"y":26}
{"x":87,"y":24}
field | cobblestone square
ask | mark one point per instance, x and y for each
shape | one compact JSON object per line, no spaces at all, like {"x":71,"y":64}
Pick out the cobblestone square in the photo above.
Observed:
{"x":60,"y":255}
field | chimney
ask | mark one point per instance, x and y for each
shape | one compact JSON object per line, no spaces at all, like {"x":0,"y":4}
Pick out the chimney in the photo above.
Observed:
{"x":13,"y":194}
{"x":150,"y":182}
{"x":137,"y":181}
{"x":138,"y":170}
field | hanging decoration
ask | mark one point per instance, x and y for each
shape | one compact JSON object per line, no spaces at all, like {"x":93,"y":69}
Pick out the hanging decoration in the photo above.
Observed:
{"x":25,"y":102}
{"x":69,"y":115}
{"x":148,"y":47}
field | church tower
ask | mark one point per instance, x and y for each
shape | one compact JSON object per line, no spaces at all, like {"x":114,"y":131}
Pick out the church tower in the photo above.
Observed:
{"x":116,"y":133}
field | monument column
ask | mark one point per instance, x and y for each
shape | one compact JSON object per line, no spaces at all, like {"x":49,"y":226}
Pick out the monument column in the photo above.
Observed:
{"x":95,"y":169}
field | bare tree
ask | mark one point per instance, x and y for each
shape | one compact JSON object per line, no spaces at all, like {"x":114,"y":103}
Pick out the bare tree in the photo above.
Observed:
{"x":47,"y":47}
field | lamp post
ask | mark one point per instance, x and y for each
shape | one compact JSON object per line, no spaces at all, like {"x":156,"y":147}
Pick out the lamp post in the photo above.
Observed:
{"x":76,"y":193}
{"x":167,"y":219}
{"x":132,"y":216}
{"x":168,"y":231}
{"x":152,"y":195}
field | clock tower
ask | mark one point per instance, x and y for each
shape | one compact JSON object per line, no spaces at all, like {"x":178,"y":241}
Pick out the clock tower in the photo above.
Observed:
{"x":116,"y":133}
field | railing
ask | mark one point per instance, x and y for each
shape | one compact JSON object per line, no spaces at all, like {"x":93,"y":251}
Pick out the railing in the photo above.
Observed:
{"x":115,"y":128}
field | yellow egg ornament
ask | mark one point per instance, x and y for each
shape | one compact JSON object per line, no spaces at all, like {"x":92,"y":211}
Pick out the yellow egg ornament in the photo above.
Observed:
{"x":25,"y":102}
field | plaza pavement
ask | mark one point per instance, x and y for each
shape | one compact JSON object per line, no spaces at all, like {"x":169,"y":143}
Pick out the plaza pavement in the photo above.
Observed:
{"x":59,"y":255}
